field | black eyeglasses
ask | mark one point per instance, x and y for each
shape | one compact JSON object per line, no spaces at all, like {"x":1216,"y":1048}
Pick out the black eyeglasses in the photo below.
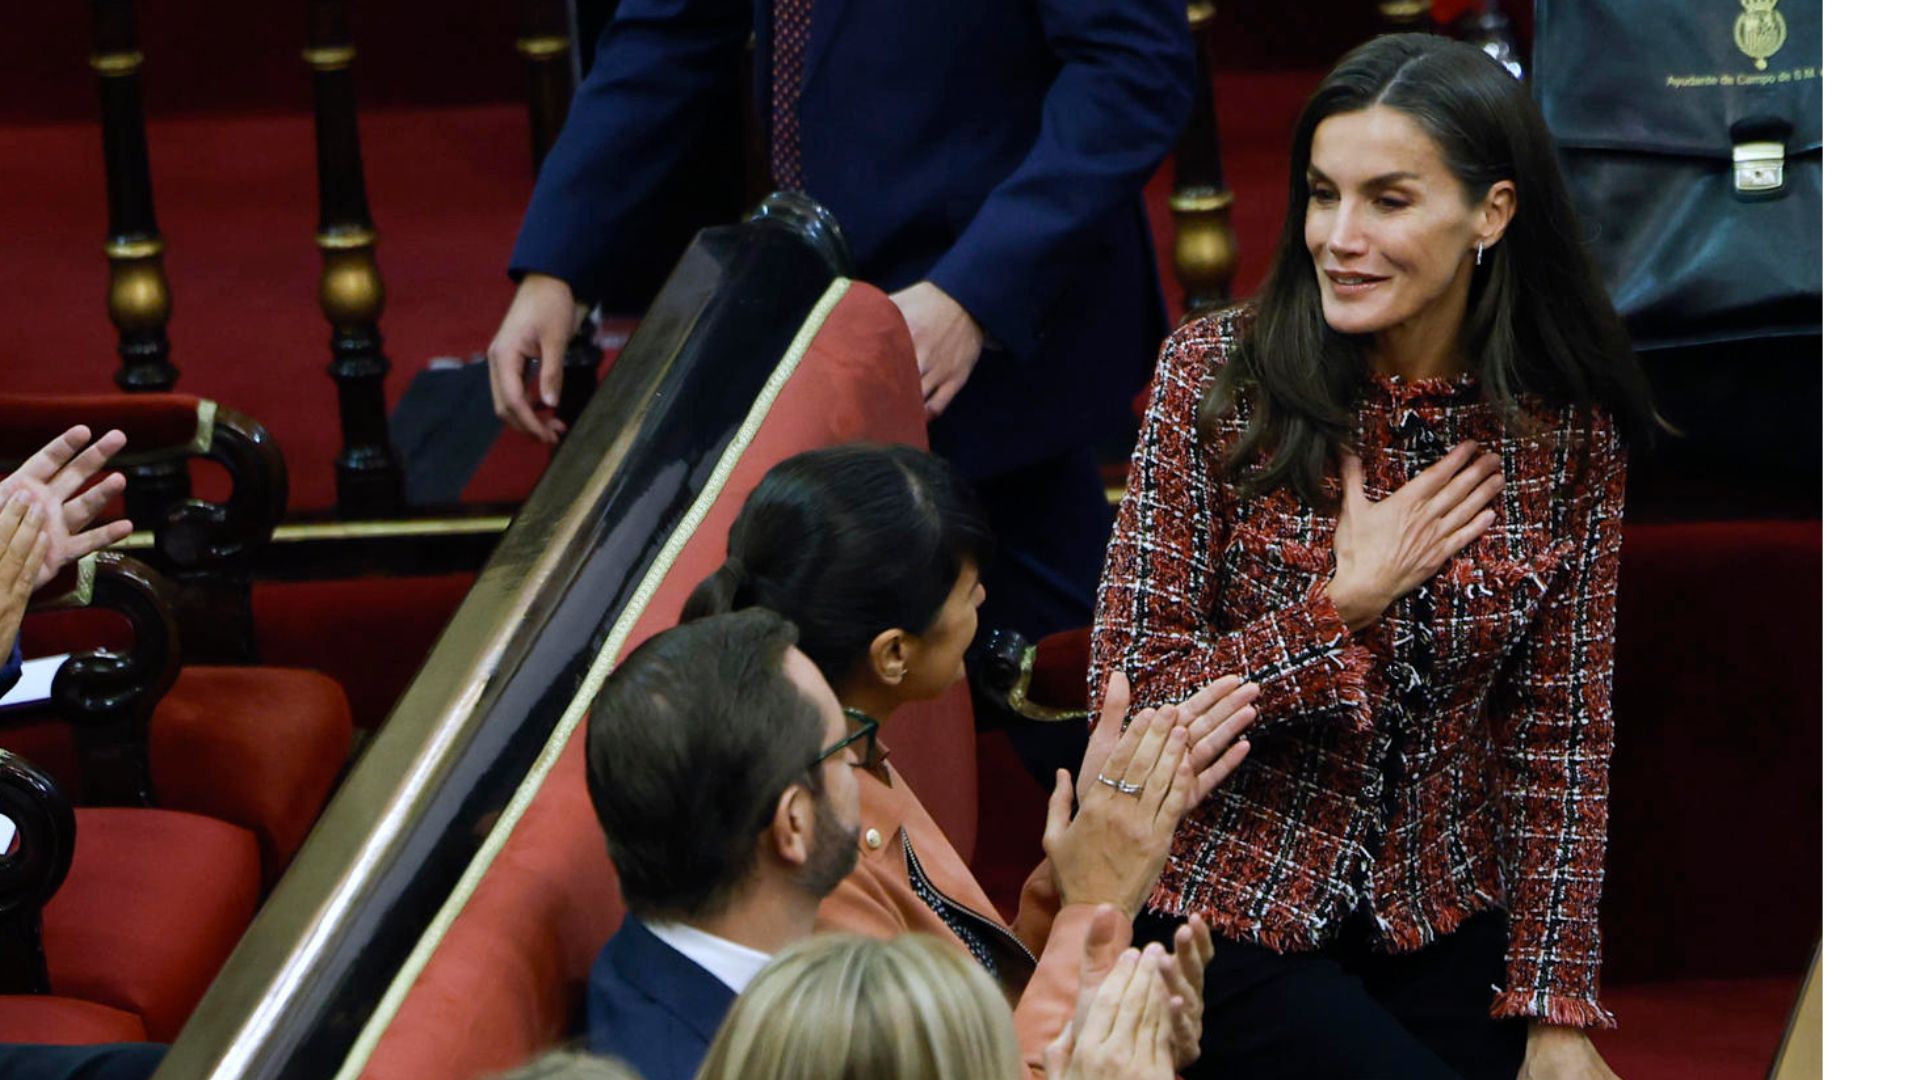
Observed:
{"x":863,"y":733}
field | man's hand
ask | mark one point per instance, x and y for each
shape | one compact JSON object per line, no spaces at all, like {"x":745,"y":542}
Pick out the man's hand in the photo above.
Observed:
{"x":947,"y":342}
{"x":1215,"y":716}
{"x":539,"y":325}
{"x":1562,"y":1053}
{"x":52,"y":479}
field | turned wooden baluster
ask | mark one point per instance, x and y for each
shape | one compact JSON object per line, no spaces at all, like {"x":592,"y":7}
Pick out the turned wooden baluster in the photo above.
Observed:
{"x":350,"y":290}
{"x":137,"y":297}
{"x":550,"y":78}
{"x":1205,"y":250}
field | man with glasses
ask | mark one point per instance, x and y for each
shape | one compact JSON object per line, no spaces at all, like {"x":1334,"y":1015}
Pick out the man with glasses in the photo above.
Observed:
{"x":719,"y":764}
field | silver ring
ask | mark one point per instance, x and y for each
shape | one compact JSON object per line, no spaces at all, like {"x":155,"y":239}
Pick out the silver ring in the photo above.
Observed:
{"x":1121,"y":786}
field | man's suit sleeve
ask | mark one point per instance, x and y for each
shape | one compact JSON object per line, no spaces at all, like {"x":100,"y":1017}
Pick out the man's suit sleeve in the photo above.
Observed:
{"x":657,"y":63}
{"x":1114,"y":110}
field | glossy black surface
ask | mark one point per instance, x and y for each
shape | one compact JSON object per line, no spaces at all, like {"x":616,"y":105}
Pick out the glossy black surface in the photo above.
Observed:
{"x":31,"y":869}
{"x":666,"y":413}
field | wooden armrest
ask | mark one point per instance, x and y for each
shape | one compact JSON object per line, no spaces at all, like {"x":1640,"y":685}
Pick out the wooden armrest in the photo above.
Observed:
{"x":208,"y":548}
{"x":109,"y":696}
{"x":1008,"y":675}
{"x":31,"y":870}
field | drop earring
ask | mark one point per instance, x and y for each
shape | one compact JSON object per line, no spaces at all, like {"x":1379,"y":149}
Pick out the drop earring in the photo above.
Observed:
{"x":1479,"y":254}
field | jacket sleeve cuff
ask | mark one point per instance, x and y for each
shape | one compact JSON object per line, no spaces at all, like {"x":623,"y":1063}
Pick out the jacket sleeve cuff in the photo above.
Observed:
{"x":1333,"y":685}
{"x":1001,"y":308}
{"x":1552,"y":1008}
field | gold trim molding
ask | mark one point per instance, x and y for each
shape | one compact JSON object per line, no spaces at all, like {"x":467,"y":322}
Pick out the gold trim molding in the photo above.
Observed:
{"x":543,"y":48}
{"x":1196,"y":202}
{"x":135,"y":247}
{"x":116,"y":64}
{"x":347,"y":238}
{"x":330,"y":57}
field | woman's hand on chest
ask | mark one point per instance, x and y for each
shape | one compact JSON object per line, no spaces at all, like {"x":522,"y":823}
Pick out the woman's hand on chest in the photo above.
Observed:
{"x":1383,"y":550}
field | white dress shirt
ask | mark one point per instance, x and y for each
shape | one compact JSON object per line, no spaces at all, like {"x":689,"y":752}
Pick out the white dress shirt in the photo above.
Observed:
{"x":733,"y":965}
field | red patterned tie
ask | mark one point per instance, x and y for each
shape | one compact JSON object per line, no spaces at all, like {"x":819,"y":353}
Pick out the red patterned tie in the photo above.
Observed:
{"x":785,"y":145}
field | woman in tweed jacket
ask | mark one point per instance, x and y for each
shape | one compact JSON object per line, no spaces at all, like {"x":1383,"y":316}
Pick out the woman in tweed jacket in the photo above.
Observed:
{"x":1388,"y":491}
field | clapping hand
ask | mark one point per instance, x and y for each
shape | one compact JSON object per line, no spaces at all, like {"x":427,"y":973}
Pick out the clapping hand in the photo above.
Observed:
{"x":1185,"y":971}
{"x":53,"y":478}
{"x":1214,"y":717}
{"x":23,"y":547}
{"x":1113,"y":850}
{"x":1123,"y":1027}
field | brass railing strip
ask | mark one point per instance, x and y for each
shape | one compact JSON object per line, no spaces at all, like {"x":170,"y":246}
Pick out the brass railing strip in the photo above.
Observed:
{"x":311,"y":531}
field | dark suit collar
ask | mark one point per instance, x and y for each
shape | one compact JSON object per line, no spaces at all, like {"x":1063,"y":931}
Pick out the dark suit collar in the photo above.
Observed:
{"x":674,"y":981}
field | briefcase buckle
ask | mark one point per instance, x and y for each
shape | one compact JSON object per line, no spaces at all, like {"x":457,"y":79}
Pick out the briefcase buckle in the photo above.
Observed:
{"x":1758,"y":167}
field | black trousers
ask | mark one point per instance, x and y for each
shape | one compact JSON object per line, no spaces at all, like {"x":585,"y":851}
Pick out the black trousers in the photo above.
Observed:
{"x":1346,"y":1012}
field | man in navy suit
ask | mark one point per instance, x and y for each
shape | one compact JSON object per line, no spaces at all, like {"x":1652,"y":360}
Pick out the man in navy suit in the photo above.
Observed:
{"x":985,"y":159}
{"x":719,"y":766}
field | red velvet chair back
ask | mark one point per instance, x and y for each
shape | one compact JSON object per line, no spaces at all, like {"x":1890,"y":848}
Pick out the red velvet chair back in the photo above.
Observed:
{"x":508,"y":978}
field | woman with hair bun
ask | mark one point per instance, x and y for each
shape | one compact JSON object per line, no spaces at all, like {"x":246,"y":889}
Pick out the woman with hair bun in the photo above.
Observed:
{"x":874,"y":552}
{"x":1388,"y":490}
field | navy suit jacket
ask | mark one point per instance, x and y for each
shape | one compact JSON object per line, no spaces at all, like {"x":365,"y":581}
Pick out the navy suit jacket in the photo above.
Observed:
{"x":997,"y":148}
{"x":653,"y":1007}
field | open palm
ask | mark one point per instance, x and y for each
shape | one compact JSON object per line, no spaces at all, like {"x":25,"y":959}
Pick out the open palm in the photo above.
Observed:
{"x":55,"y":479}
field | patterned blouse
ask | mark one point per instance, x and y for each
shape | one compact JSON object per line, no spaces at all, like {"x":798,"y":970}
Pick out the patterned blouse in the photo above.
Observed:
{"x":1449,"y":758}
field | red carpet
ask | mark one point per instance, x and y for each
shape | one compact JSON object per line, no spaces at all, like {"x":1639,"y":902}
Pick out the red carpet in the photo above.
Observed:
{"x":237,"y":202}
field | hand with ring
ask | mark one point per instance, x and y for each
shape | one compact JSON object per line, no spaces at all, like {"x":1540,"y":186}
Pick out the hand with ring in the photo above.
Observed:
{"x":1216,"y":715}
{"x":1112,"y":850}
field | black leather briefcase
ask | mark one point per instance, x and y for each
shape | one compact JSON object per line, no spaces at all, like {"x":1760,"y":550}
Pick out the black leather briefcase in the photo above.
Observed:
{"x":1691,"y":134}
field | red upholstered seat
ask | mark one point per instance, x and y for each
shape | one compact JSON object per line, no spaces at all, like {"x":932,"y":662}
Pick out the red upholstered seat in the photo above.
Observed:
{"x":259,"y":747}
{"x":508,"y":978}
{"x":153,"y":903}
{"x":64,"y":1021}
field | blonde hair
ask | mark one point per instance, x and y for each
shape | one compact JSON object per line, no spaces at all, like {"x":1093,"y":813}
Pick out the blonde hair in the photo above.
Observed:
{"x":842,"y":1007}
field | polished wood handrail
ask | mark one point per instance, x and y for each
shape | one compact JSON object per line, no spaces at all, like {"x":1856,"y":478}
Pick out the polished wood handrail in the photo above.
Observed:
{"x":414,"y":813}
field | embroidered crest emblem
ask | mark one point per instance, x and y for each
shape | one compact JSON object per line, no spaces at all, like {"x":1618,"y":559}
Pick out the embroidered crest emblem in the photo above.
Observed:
{"x":1760,"y":31}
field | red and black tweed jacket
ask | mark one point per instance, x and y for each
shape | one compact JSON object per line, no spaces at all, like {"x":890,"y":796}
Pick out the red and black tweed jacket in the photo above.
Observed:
{"x":1450,"y":758}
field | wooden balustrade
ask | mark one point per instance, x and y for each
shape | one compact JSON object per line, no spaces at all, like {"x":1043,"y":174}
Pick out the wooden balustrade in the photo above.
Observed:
{"x":1206,"y":252}
{"x":351,"y":292}
{"x":138,"y":300}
